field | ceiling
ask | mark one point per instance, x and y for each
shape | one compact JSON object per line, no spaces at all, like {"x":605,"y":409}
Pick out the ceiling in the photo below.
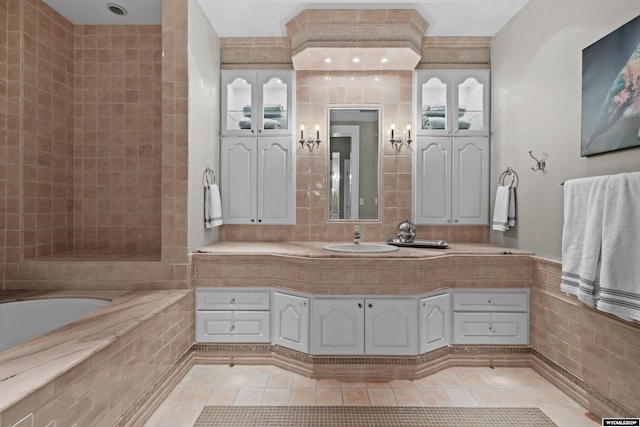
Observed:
{"x":267,"y":18}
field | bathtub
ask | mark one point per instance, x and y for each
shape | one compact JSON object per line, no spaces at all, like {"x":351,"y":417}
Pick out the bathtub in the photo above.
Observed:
{"x":22,"y":321}
{"x":97,"y":368}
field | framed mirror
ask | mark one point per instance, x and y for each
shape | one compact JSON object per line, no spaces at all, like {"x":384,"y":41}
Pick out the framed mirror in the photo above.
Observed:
{"x":354,"y":163}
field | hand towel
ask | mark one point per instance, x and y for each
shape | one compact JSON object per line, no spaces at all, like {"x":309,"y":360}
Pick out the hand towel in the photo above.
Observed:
{"x":581,"y":237}
{"x":620,"y":274}
{"x":504,"y":213}
{"x":212,"y":206}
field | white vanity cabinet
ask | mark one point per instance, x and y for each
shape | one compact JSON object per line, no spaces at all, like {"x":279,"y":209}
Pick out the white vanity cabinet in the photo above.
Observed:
{"x":452,"y":102}
{"x":291,"y":321}
{"x":498,"y":316}
{"x":233,"y":315}
{"x":257,"y":180}
{"x":372,"y":326}
{"x":434,"y":313}
{"x":257,"y":102}
{"x":451,"y":180}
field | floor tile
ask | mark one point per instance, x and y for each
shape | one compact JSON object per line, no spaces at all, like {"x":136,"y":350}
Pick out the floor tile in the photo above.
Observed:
{"x":382,"y":397}
{"x":355,"y":396}
{"x":276,"y":396}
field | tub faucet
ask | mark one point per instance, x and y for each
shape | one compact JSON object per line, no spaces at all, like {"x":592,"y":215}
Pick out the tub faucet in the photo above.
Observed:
{"x":356,"y":235}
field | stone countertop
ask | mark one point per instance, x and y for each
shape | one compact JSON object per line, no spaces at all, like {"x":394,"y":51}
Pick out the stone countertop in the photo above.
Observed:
{"x":315,"y":250}
{"x":27,"y":367}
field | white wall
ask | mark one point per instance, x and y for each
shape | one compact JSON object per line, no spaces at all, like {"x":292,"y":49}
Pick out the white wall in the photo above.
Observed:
{"x":204,"y":118}
{"x":536,"y":63}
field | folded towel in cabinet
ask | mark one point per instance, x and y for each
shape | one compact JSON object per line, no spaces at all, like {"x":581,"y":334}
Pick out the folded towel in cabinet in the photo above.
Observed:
{"x":504,"y":213}
{"x":620,"y":271}
{"x":212,"y":206}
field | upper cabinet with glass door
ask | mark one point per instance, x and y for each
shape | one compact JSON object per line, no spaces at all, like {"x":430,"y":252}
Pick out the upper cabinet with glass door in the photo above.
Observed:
{"x":257,"y":102}
{"x":452,"y":102}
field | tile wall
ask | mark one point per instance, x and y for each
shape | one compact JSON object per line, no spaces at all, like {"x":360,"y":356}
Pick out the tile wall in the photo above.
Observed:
{"x":46,"y":123}
{"x":598,"y":349}
{"x":117,"y":137}
{"x":131,"y":128}
{"x":3,"y":132}
{"x":316,"y":91}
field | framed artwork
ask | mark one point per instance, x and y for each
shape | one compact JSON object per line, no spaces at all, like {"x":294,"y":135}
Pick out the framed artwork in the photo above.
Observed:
{"x":611,"y":91}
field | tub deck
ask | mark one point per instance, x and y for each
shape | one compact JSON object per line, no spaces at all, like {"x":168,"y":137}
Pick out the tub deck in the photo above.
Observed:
{"x":31,"y":366}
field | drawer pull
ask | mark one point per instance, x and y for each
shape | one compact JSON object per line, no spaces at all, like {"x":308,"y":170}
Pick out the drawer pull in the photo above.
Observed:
{"x":232,"y":301}
{"x":232,"y":328}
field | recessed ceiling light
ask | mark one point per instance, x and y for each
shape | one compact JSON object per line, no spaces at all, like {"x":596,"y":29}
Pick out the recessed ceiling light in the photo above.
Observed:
{"x":327,"y":78}
{"x":327,"y":60}
{"x":384,"y":60}
{"x":356,"y":60}
{"x":116,"y":9}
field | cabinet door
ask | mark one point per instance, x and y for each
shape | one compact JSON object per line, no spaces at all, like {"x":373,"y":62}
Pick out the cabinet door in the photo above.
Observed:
{"x":435,"y":322}
{"x":337,"y":326}
{"x":239,"y":103}
{"x":433,"y":98}
{"x":276,"y":102}
{"x":433,"y":180}
{"x":291,"y":322}
{"x":238,"y":180}
{"x":471,"y":102}
{"x":276,"y":181}
{"x":470,"y":194}
{"x":391,"y":327}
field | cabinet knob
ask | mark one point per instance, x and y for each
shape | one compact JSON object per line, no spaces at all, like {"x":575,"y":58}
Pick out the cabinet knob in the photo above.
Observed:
{"x":232,"y":328}
{"x":260,"y":220}
{"x":370,"y":305}
{"x":489,"y":301}
{"x":232,"y":301}
{"x":456,"y":221}
{"x":359,"y":305}
{"x":491,"y":328}
{"x":253,"y":220}
{"x":449,"y":221}
{"x":253,"y":131}
{"x":259,"y":130}
{"x":303,"y":304}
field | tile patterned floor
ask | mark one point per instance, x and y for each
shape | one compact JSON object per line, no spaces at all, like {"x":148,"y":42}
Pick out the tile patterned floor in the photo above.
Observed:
{"x":221,"y":385}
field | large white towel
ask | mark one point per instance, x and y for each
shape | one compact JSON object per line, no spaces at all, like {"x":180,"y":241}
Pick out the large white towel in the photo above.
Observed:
{"x":504,"y":213}
{"x":581,"y":237}
{"x":620,"y":274}
{"x":212,"y":206}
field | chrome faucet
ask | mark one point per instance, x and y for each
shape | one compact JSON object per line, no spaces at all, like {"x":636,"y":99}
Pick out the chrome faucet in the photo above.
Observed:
{"x":356,"y":235}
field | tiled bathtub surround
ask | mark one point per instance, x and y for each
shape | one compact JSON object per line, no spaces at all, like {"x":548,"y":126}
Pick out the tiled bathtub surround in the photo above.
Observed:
{"x":3,"y":132}
{"x":93,"y":370}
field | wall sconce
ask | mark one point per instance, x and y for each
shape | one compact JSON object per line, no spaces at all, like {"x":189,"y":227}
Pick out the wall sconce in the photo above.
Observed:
{"x":309,"y":142}
{"x":397,"y":142}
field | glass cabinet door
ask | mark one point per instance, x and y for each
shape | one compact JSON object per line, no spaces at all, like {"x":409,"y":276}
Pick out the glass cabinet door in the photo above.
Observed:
{"x":471,"y":103}
{"x":257,"y":102}
{"x":452,"y":102}
{"x":275,"y":102}
{"x":238,"y":103}
{"x":434,"y":109}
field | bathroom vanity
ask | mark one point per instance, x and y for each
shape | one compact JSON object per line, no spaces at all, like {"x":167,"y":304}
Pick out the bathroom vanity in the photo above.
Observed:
{"x":313,"y":305}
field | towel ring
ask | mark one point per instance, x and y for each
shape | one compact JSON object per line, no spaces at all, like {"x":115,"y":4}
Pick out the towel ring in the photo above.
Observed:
{"x":208,"y":177}
{"x":515,"y":179}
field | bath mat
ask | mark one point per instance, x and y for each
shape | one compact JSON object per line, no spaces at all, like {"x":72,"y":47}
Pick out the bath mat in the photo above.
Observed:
{"x":343,"y":416}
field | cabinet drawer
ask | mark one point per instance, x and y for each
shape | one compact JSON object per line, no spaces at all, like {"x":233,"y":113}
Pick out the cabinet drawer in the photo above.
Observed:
{"x":490,"y":328}
{"x":209,"y":299}
{"x":233,"y":326}
{"x":490,"y":301}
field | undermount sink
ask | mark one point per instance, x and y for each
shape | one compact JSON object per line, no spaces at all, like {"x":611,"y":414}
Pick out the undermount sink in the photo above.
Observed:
{"x":360,"y":247}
